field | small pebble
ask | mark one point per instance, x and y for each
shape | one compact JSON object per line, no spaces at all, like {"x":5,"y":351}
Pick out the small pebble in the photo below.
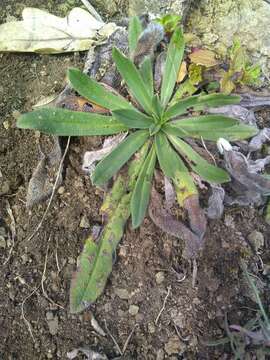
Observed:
{"x":61,"y":190}
{"x":84,"y":223}
{"x":133,"y":310}
{"x":52,"y":322}
{"x":160,"y":277}
{"x":3,"y":243}
{"x":151,"y":328}
{"x":257,"y":239}
{"x":122,"y":293}
{"x":173,"y":346}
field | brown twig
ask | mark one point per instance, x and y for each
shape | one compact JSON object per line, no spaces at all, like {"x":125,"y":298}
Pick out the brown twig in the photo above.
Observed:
{"x":164,"y":304}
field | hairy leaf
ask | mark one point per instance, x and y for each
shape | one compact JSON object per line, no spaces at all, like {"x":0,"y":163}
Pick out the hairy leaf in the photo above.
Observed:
{"x":146,"y":71}
{"x":200,"y":102}
{"x":207,"y":172}
{"x":95,"y":92}
{"x":134,"y":80}
{"x":134,"y":31}
{"x":69,"y":123}
{"x":118,"y":157}
{"x":174,"y":168}
{"x":96,"y":260}
{"x":133,"y":119}
{"x":173,"y":61}
{"x":141,"y":193}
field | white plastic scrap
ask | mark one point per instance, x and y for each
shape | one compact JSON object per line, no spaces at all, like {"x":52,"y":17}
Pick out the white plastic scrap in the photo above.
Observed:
{"x":223,"y":144}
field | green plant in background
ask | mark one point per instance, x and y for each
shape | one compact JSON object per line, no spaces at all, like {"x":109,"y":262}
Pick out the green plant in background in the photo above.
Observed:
{"x":241,"y":71}
{"x":169,"y":22}
{"x":253,"y":338}
{"x":157,"y":130}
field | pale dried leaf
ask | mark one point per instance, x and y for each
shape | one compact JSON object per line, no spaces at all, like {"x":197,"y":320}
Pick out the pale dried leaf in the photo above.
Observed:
{"x":182,"y":72}
{"x":91,"y":157}
{"x":204,"y":57}
{"x":258,"y":140}
{"x":42,"y":32}
{"x":239,"y":112}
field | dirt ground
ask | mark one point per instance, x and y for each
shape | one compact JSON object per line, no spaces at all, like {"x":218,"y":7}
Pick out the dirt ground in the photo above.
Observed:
{"x":35,"y":322}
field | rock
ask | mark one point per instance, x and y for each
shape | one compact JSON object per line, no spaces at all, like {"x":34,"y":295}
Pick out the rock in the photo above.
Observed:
{"x":4,"y":188}
{"x":133,"y":310}
{"x":151,"y":328}
{"x":160,"y":277}
{"x":3,"y":243}
{"x":84,"y":223}
{"x":159,"y":7}
{"x":61,"y":190}
{"x":257,"y":239}
{"x":217,"y":22}
{"x":52,"y":321}
{"x":160,"y":354}
{"x":122,"y":293}
{"x":173,"y":346}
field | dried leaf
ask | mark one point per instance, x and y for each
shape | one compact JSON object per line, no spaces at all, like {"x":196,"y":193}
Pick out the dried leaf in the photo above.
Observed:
{"x":215,"y":203}
{"x":42,"y":32}
{"x":40,"y":185}
{"x":171,"y":225}
{"x":236,"y":111}
{"x":90,"y":354}
{"x":255,"y":102}
{"x":204,"y":57}
{"x":182,"y":72}
{"x":258,"y":140}
{"x":91,"y":157}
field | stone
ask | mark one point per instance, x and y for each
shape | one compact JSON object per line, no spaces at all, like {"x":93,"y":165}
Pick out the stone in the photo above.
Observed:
{"x":61,"y":190}
{"x":122,"y":293}
{"x":3,"y":243}
{"x":173,"y":346}
{"x":52,"y":321}
{"x":217,"y":23}
{"x":4,"y":188}
{"x":159,"y":7}
{"x":160,"y":277}
{"x":151,"y":328}
{"x":160,"y":354}
{"x":257,"y":239}
{"x":84,"y":223}
{"x":133,"y":310}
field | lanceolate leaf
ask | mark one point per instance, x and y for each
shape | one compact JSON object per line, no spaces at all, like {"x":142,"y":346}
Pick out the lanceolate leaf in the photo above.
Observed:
{"x":141,"y":193}
{"x":134,"y":80}
{"x":207,"y":172}
{"x":109,"y":166}
{"x":200,"y":102}
{"x":133,"y":119}
{"x":95,"y":263}
{"x":146,"y":70}
{"x":157,"y":108}
{"x":134,"y":31}
{"x":230,"y":133}
{"x":70,"y":123}
{"x":173,"y":61}
{"x":96,"y":260}
{"x":95,"y":92}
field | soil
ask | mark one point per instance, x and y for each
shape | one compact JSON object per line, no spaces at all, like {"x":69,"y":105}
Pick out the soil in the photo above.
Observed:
{"x":35,"y":274}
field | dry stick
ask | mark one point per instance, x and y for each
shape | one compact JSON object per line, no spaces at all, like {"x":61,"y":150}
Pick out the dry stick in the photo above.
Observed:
{"x":92,"y":10}
{"x":53,"y":192}
{"x":43,"y":278}
{"x":13,"y":232}
{"x":113,"y":339}
{"x":164,"y":304}
{"x":208,"y":152}
{"x":23,"y":316}
{"x":194,"y":273}
{"x":128,"y":340}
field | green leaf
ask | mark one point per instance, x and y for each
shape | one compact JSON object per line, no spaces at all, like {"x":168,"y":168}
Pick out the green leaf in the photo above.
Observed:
{"x":134,"y":31}
{"x":207,"y":172}
{"x":210,"y":131}
{"x":169,"y":22}
{"x":95,"y":92}
{"x":95,"y":262}
{"x":133,"y":119}
{"x":141,"y":193}
{"x":109,"y":166}
{"x":69,"y":123}
{"x":173,"y":61}
{"x":200,"y":102}
{"x":158,"y":110}
{"x":146,"y":71}
{"x":134,"y":80}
